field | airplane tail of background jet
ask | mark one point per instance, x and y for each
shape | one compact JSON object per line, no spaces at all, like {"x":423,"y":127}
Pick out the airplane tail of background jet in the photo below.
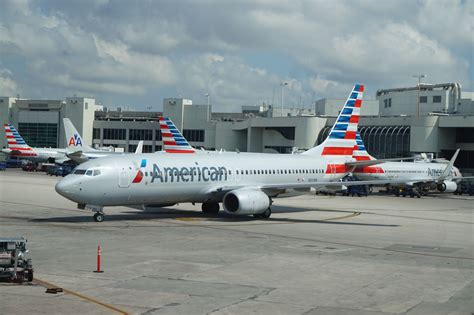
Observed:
{"x":16,"y":144}
{"x":360,"y":153}
{"x":341,"y":141}
{"x":173,"y":140}
{"x":74,"y":139}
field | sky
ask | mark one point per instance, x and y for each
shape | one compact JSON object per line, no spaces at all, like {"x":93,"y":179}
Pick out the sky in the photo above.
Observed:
{"x":135,"y":53}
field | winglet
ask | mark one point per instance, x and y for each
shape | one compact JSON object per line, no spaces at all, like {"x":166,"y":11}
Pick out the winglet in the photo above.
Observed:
{"x":139,"y":148}
{"x":447,"y":174}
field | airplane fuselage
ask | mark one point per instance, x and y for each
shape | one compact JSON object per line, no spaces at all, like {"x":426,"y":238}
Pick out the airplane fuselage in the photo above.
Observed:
{"x":171,"y":178}
{"x":402,"y":170}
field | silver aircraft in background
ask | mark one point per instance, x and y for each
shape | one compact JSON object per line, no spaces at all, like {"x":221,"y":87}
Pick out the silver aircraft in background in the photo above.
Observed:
{"x":245,"y":183}
{"x":78,"y":151}
{"x":408,"y":171}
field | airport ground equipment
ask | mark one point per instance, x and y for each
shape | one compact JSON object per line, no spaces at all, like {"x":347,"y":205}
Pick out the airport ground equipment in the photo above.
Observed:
{"x":14,"y":266}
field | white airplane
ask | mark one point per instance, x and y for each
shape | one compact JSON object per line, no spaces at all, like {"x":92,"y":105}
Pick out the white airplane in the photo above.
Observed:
{"x":80,"y":152}
{"x":244,"y":183}
{"x":17,"y":147}
{"x":435,"y":172}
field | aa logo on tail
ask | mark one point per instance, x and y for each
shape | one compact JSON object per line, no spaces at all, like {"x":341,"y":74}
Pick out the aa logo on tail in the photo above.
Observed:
{"x":75,"y":141}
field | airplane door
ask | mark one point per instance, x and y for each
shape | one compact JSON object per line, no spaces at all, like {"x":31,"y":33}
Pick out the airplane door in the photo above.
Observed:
{"x":124,"y":177}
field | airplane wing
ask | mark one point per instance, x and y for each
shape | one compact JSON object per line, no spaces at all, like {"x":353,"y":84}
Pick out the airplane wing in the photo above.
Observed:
{"x":307,"y":184}
{"x":77,"y":156}
{"x":375,"y":162}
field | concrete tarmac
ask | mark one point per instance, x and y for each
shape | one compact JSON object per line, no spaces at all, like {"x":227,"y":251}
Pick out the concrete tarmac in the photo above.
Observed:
{"x":315,"y":255}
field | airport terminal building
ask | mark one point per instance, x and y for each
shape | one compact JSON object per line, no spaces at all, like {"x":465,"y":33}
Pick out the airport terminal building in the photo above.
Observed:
{"x":429,"y":118}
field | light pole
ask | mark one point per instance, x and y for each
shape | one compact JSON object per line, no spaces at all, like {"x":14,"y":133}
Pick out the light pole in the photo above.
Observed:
{"x":208,"y":104}
{"x":282,"y":84}
{"x":419,"y":76}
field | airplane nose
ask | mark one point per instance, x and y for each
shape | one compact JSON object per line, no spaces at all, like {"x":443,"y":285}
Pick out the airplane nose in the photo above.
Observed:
{"x":63,"y":188}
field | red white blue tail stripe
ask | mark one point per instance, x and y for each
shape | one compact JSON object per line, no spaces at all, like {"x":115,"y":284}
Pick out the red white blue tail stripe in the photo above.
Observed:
{"x":360,"y":153}
{"x":341,"y":141}
{"x":173,"y":140}
{"x":16,"y":143}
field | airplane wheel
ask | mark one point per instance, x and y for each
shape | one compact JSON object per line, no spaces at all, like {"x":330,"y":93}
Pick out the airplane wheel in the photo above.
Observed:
{"x":99,"y":217}
{"x":266,"y":214}
{"x":210,"y":208}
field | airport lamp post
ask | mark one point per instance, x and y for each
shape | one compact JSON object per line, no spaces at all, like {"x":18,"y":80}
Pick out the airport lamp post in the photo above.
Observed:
{"x":419,"y":76}
{"x":208,"y":104}
{"x":282,"y":84}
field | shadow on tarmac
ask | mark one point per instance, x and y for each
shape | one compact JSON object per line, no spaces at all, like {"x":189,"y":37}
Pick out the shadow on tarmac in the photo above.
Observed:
{"x":165,"y":213}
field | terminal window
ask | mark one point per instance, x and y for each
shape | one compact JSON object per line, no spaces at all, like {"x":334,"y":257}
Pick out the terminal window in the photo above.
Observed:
{"x":114,"y":134}
{"x":158,"y":135}
{"x":194,"y":135}
{"x":140,"y":134}
{"x":39,"y":134}
{"x":423,"y":99}
{"x":437,"y":99}
{"x":96,"y":133}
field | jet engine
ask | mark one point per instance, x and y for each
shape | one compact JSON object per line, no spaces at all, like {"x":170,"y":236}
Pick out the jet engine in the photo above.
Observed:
{"x":245,"y":201}
{"x":447,"y":186}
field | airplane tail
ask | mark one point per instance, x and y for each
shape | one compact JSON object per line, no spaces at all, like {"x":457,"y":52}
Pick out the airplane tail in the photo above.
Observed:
{"x":173,"y":140}
{"x":341,"y":141}
{"x":360,"y":153}
{"x":16,"y":143}
{"x":74,"y":139}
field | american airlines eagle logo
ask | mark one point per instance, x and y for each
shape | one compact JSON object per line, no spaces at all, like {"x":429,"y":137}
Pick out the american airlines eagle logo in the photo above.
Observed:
{"x":138,"y":178}
{"x":75,"y":141}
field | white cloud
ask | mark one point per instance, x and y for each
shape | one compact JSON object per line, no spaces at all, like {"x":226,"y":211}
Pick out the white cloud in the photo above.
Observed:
{"x":151,"y":49}
{"x":8,"y":87}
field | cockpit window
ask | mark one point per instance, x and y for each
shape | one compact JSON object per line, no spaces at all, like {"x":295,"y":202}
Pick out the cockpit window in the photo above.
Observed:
{"x":89,"y":172}
{"x":79,"y":172}
{"x":96,"y":172}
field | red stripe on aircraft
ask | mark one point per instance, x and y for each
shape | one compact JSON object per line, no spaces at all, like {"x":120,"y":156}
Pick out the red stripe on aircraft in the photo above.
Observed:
{"x":336,"y":169}
{"x":138,"y":178}
{"x":350,"y":135}
{"x":337,"y":151}
{"x":354,"y":119}
{"x":169,"y":142}
{"x":370,"y":170}
{"x":358,"y":103}
{"x":179,"y":151}
{"x":361,"y":158}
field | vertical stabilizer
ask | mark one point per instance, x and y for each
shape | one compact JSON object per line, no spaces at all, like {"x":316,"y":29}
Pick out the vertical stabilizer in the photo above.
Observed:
{"x":360,"y":153}
{"x":173,"y":140}
{"x":16,"y":143}
{"x":73,"y":138}
{"x":341,"y":140}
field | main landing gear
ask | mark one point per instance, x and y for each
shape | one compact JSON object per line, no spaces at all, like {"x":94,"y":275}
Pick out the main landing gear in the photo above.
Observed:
{"x":264,"y":215}
{"x":99,"y":217}
{"x":211,"y":208}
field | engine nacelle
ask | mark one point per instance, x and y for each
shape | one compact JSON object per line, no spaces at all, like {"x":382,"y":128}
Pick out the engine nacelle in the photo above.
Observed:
{"x":245,"y":201}
{"x":447,"y":186}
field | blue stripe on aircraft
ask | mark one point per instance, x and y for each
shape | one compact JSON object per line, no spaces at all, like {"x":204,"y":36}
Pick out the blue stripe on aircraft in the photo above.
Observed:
{"x":344,"y":118}
{"x":354,"y":95}
{"x":350,"y":103}
{"x":342,"y":127}
{"x":346,"y":111}
{"x":337,"y":135}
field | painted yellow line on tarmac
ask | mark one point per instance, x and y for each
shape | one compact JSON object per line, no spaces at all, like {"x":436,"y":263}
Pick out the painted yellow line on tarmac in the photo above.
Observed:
{"x":52,"y":286}
{"x":189,"y":219}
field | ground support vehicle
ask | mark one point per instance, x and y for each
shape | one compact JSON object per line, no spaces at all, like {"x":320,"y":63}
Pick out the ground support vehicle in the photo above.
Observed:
{"x":14,"y":266}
